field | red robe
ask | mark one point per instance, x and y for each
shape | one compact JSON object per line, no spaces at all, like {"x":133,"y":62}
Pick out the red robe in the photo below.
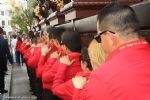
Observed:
{"x":65,"y":89}
{"x":44,"y":61}
{"x":18,"y":45}
{"x":34,"y":58}
{"x":48,"y":76}
{"x":49,"y":71}
{"x":124,"y":76}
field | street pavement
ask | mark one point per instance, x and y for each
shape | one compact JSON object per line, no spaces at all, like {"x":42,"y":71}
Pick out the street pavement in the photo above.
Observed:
{"x":18,"y":85}
{"x":7,"y":83}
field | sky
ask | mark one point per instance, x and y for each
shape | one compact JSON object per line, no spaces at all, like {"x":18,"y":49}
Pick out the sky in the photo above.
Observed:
{"x":21,"y":2}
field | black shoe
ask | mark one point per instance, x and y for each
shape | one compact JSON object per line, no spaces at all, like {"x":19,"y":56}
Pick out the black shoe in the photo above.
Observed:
{"x":6,"y":74}
{"x":3,"y":91}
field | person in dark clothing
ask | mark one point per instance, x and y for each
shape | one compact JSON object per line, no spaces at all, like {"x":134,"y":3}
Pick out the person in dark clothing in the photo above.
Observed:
{"x":4,"y":54}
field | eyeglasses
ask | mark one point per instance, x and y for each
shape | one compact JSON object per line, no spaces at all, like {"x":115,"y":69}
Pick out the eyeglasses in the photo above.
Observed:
{"x":97,"y":37}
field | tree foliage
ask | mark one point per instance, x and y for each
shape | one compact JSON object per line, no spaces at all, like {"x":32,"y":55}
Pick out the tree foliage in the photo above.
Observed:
{"x":23,"y":17}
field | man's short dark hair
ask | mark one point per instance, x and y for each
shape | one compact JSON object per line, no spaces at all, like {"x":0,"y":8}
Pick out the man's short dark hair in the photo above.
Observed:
{"x":14,"y":36}
{"x":72,"y":40}
{"x":55,"y":33}
{"x":118,"y":18}
{"x":1,"y":30}
{"x":37,"y":34}
{"x":31,"y":34}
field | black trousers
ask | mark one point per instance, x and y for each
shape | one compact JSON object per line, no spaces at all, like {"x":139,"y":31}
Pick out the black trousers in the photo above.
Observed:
{"x":32,"y":78}
{"x":39,"y":89}
{"x":3,"y":69}
{"x":28,"y":72}
{"x":2,"y":80}
{"x":22,"y":60}
{"x":48,"y":95}
{"x":18,"y":56}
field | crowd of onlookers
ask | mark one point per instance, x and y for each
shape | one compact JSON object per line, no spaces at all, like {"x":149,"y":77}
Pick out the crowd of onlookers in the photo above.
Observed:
{"x":115,"y":65}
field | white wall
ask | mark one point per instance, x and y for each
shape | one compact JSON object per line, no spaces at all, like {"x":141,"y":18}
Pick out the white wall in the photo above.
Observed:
{"x":6,"y":8}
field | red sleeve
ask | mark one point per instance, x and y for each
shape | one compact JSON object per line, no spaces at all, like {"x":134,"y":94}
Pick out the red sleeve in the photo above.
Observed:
{"x":25,"y":49}
{"x":77,"y":94}
{"x":46,"y":59}
{"x":60,"y":87}
{"x":95,"y":89}
{"x":40,"y":67}
{"x":27,"y":54}
{"x":42,"y":60}
{"x":33,"y":60}
{"x":18,"y":45}
{"x":49,"y":75}
{"x":22,"y":47}
{"x":50,"y":62}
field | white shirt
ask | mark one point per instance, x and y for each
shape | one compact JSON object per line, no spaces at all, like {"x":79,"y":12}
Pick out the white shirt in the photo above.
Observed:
{"x":13,"y":43}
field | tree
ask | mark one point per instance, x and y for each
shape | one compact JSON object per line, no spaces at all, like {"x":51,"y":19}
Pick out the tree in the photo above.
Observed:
{"x":23,"y":17}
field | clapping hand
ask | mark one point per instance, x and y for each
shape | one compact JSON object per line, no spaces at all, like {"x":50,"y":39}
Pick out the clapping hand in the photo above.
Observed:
{"x":79,"y":82}
{"x":55,"y":55}
{"x":66,"y":60}
{"x":27,"y":43}
{"x":45,"y":50}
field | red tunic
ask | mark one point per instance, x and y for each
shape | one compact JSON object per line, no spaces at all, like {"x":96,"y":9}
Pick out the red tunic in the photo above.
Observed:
{"x":65,"y":89}
{"x":48,"y":76}
{"x":22,"y":46}
{"x":124,"y":76}
{"x":44,"y":62}
{"x":27,"y":54}
{"x":49,"y":72}
{"x":34,"y":58}
{"x":18,"y":45}
{"x":25,"y":48}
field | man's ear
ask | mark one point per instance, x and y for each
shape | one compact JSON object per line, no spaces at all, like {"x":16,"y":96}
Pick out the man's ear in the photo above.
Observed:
{"x":85,"y":67}
{"x":114,"y":38}
{"x":85,"y":63}
{"x":64,"y":46}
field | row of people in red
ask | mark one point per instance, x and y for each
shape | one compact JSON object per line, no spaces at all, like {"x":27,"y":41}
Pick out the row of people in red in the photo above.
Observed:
{"x":124,"y":75}
{"x":51,"y":71}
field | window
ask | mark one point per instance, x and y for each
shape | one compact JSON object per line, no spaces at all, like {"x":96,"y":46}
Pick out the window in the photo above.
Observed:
{"x":2,"y":13}
{"x":3,"y":23}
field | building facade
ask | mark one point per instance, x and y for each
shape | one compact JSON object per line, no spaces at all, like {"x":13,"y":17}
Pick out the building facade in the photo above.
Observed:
{"x":5,"y":18}
{"x":5,"y":13}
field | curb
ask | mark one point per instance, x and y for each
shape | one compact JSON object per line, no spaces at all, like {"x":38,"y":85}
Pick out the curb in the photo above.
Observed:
{"x":8,"y":82}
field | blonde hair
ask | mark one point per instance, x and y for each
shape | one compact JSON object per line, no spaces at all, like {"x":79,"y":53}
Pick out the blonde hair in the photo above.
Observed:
{"x":96,"y":53}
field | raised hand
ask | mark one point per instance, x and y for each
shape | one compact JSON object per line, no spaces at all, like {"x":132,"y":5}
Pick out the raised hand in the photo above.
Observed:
{"x":55,"y":55}
{"x":27,"y":43}
{"x":45,"y":50}
{"x":66,"y":60}
{"x":79,"y":82}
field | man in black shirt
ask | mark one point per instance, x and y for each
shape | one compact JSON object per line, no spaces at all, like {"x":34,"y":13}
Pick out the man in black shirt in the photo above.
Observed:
{"x":4,"y":54}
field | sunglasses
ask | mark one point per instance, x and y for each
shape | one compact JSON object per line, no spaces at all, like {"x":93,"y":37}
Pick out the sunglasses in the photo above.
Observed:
{"x":97,"y":37}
